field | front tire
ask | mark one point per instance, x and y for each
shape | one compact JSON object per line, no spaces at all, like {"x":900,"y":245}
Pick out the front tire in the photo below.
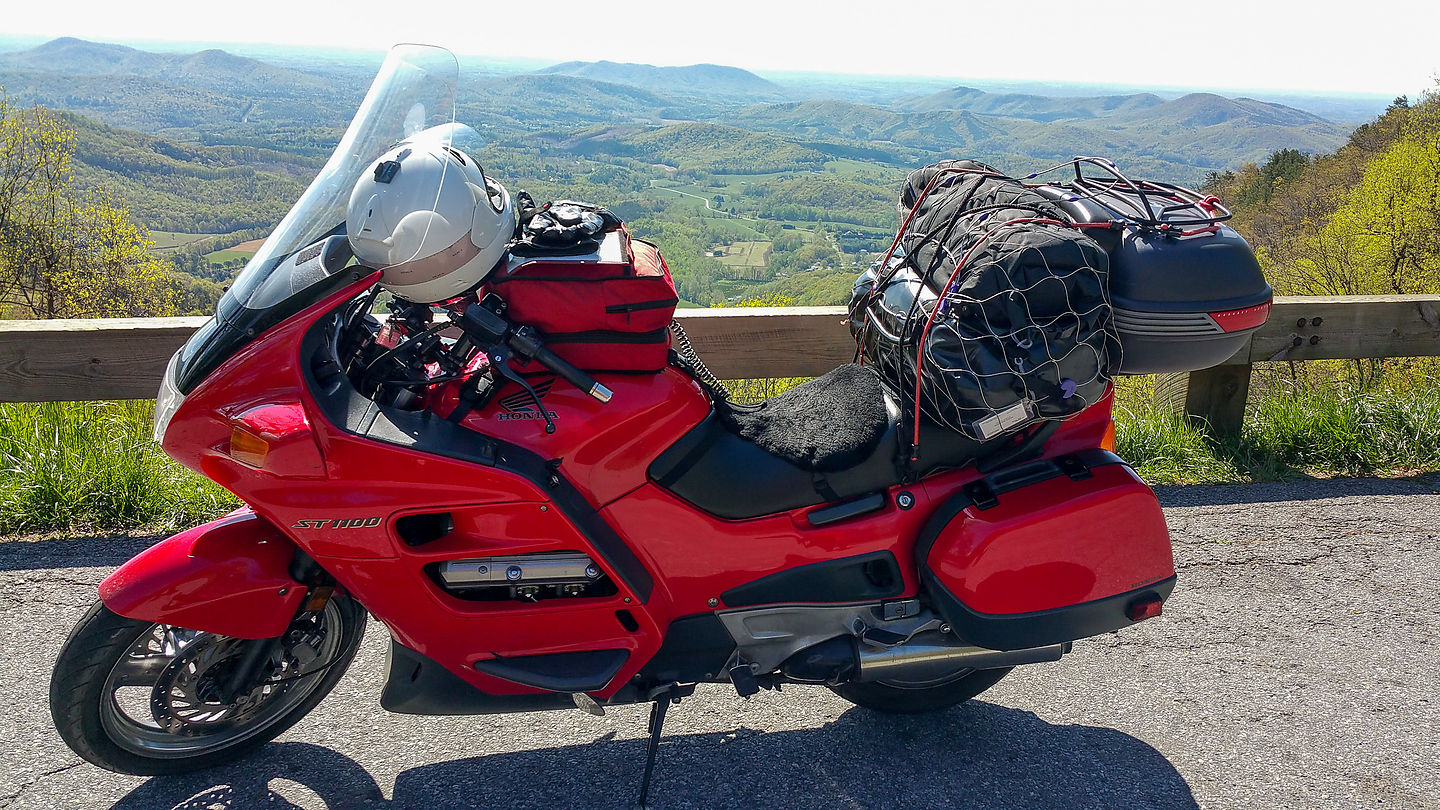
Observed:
{"x":920,"y":698}
{"x":143,"y":698}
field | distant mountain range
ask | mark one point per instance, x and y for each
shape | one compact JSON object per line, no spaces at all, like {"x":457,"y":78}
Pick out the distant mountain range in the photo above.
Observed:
{"x":710,"y":80}
{"x":215,"y":97}
{"x":211,"y":69}
{"x":1037,"y":108}
{"x":1193,"y":110}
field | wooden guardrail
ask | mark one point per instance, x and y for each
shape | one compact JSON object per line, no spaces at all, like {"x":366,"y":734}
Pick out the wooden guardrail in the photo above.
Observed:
{"x":43,"y":361}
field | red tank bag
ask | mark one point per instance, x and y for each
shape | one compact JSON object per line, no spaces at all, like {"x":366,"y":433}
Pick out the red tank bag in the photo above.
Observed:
{"x":609,"y":310}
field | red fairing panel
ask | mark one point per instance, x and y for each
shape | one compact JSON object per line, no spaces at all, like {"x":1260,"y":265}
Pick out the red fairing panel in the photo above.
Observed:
{"x":230,"y":576}
{"x":605,"y":448}
{"x":455,"y":632}
{"x":702,"y":556}
{"x":1056,"y":543}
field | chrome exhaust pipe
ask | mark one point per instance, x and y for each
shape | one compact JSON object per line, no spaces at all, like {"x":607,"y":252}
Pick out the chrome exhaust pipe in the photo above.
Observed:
{"x":927,"y":655}
{"x":943,"y":652}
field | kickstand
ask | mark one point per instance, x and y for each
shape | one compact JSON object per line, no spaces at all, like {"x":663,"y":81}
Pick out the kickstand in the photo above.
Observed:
{"x":663,"y":698}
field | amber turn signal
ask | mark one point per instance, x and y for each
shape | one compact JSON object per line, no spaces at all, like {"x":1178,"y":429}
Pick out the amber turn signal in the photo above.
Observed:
{"x":1107,"y":442}
{"x":247,"y":448}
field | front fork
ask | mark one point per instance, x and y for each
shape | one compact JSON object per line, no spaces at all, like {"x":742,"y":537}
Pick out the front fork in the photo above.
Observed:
{"x":259,"y":652}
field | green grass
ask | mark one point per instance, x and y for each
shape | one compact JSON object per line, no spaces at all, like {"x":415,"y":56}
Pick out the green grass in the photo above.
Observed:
{"x":1163,"y":449}
{"x":1351,"y":432}
{"x":1290,"y":434}
{"x":85,"y":466}
{"x":222,"y":256}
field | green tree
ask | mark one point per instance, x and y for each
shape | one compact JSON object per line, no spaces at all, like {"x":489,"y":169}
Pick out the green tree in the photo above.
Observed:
{"x":65,"y":252}
{"x":1389,"y":228}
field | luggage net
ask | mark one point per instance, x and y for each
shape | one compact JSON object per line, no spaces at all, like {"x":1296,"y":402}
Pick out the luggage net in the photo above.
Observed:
{"x":991,"y":311}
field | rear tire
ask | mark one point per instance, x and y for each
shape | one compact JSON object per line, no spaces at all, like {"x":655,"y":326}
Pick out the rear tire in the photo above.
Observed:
{"x":895,"y":698}
{"x":172,"y":720}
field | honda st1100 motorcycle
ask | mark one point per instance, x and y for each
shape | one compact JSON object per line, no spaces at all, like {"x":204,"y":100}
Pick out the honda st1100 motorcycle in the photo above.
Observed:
{"x":560,"y":538}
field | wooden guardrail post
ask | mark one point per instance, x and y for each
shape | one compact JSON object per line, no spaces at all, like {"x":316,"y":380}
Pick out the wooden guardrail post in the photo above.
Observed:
{"x":1211,"y":399}
{"x":1312,"y":327}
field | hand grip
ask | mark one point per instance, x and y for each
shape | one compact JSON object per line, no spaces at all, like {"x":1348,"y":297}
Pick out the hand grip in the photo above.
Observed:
{"x":572,"y":375}
{"x":487,"y":327}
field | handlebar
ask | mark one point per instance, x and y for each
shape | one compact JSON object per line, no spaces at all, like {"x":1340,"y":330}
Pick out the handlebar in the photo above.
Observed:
{"x":570,"y":374}
{"x":487,"y":328}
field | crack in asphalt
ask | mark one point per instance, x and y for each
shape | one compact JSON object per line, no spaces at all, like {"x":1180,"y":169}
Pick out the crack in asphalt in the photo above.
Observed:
{"x":8,"y":798}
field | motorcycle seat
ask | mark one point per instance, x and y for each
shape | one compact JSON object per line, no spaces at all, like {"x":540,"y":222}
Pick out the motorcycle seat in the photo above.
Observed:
{"x":833,"y":438}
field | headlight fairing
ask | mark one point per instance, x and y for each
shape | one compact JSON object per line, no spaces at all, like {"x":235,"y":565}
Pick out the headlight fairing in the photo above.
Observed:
{"x":168,"y":400}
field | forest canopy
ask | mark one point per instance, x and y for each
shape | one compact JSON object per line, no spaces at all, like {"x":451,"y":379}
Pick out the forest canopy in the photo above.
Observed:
{"x":1362,"y":220}
{"x":66,"y":251}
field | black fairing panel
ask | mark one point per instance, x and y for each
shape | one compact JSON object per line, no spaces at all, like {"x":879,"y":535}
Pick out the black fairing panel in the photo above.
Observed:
{"x":696,"y":648}
{"x":416,"y":684}
{"x":585,"y":671}
{"x":862,"y":578}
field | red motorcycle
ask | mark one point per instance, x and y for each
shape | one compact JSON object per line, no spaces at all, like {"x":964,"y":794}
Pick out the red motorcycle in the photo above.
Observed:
{"x":538,"y":536}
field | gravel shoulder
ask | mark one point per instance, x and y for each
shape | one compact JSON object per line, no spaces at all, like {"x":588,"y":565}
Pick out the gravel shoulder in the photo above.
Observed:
{"x":1296,"y":666}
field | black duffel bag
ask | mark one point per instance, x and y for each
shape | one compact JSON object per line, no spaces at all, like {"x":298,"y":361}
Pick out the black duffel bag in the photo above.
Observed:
{"x":995,"y":296}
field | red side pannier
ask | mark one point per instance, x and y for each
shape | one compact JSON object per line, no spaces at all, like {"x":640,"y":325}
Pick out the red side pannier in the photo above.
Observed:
{"x":1049,"y":551}
{"x":609,"y":310}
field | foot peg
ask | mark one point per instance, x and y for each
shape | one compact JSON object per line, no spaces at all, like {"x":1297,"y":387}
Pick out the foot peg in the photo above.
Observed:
{"x":743,"y":679}
{"x":587,"y":704}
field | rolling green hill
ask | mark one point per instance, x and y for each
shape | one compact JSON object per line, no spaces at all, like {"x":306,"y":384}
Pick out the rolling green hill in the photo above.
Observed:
{"x":703,"y":147}
{"x":188,"y":188}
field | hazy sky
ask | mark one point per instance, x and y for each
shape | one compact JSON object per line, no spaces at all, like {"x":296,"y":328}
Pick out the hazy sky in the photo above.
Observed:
{"x":1378,"y":46}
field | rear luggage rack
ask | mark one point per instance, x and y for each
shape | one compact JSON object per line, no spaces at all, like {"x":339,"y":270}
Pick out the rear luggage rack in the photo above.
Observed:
{"x":1145,"y":204}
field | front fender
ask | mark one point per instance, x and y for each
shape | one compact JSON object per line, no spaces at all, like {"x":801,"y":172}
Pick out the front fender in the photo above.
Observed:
{"x":230,"y":576}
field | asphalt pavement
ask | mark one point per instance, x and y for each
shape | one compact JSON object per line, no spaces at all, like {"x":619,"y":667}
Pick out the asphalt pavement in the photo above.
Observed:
{"x":1296,"y":666}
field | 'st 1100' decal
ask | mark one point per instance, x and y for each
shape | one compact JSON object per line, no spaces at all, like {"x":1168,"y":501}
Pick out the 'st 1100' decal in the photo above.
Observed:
{"x":343,"y":523}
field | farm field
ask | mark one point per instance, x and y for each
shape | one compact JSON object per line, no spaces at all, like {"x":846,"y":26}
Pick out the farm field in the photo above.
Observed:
{"x":746,"y":254}
{"x":220,"y":257}
{"x":171,"y":240}
{"x":242,"y":252}
{"x":251,"y":246}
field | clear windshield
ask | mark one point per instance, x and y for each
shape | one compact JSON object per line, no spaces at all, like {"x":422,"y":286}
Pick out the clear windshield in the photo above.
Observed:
{"x":413,"y":92}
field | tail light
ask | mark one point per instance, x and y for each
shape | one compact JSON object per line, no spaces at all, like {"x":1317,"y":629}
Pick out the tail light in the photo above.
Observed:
{"x":1235,"y":320}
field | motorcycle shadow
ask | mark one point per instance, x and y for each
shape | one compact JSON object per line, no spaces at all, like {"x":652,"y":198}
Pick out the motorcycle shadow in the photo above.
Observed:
{"x":980,"y":755}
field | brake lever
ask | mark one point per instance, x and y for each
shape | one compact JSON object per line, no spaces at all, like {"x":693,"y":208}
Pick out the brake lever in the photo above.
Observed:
{"x":499,"y":362}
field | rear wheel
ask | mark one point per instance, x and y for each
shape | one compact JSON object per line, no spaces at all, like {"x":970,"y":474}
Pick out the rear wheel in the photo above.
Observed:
{"x":919,"y":697}
{"x":137,"y":697}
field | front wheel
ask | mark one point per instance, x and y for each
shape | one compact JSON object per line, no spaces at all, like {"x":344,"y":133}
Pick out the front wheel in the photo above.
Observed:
{"x":920,"y":696}
{"x":142,"y":698}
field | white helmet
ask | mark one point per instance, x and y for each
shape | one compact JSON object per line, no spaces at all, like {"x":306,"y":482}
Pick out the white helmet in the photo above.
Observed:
{"x":428,"y":217}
